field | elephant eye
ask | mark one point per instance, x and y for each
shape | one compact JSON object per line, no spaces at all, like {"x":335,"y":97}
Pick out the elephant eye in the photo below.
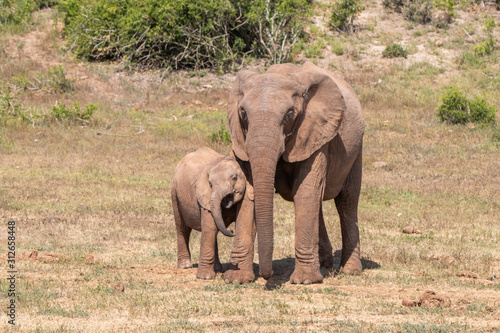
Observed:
{"x":210,"y":183}
{"x":234,"y":177}
{"x":289,"y":116}
{"x":243,"y":115}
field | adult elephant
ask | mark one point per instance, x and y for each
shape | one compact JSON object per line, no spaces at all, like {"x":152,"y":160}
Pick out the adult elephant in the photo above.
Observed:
{"x":299,"y":131}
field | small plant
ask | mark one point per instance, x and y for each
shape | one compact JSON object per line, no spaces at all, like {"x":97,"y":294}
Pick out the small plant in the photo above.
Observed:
{"x":484,"y":48}
{"x":74,"y":113}
{"x":58,"y":82}
{"x":316,"y":49}
{"x":344,"y":13}
{"x":412,"y":10}
{"x":221,"y":136}
{"x":6,"y":144}
{"x":337,"y":47}
{"x":11,"y":108}
{"x":456,"y":108}
{"x":394,"y":51}
{"x":449,"y":8}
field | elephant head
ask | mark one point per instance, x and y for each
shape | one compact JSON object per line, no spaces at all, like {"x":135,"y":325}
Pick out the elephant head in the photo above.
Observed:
{"x":221,"y":187}
{"x":288,"y":113}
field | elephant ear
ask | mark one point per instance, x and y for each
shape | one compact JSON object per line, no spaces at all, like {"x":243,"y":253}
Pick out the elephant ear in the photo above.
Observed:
{"x":233,"y":118}
{"x":203,"y":190}
{"x":323,"y":111}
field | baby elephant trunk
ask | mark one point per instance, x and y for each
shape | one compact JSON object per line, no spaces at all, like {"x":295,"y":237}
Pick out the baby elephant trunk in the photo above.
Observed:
{"x":215,"y":206}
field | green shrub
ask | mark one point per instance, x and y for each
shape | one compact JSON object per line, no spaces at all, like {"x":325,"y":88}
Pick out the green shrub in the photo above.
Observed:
{"x":484,"y":48}
{"x":344,"y":13}
{"x":182,"y":33}
{"x":337,"y":47}
{"x":449,"y":8}
{"x":74,"y":113}
{"x":57,"y":81}
{"x":274,"y":27}
{"x":456,"y":108}
{"x":10,"y":107}
{"x":54,"y":81}
{"x":18,"y":13}
{"x":412,"y":10}
{"x":394,"y":51}
{"x":481,"y":111}
{"x":221,"y":136}
{"x":316,"y":49}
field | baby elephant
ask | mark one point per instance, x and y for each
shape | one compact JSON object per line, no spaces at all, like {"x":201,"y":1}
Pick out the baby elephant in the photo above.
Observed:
{"x":205,"y":187}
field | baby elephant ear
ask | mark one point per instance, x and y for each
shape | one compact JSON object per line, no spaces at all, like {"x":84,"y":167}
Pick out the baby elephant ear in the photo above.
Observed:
{"x":324,"y":109}
{"x":233,"y":118}
{"x":203,"y":191}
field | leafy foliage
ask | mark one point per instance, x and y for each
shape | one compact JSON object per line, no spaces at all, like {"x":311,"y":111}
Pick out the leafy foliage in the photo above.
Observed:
{"x":221,"y":136}
{"x":54,"y":81}
{"x":12,"y":111}
{"x":344,"y":13}
{"x":394,"y":51}
{"x":456,"y":108}
{"x":413,"y":10}
{"x":485,"y":47}
{"x":18,"y":13}
{"x":182,"y":33}
{"x":74,"y":113}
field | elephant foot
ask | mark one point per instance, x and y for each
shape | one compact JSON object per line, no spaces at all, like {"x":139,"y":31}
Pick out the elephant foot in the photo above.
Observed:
{"x":205,"y":273}
{"x":184,"y":263}
{"x":352,"y":266}
{"x":306,"y":275}
{"x":237,"y":275}
{"x":326,"y":261}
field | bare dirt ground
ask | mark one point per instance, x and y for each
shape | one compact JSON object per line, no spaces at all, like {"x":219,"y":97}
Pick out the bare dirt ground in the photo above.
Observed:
{"x":95,"y":233}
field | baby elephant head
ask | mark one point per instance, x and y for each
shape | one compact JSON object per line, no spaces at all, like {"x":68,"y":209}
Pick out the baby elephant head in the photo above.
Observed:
{"x":227,"y":183}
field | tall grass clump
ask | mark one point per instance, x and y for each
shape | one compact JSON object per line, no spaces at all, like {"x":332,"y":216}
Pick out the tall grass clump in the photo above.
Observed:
{"x":456,"y":108}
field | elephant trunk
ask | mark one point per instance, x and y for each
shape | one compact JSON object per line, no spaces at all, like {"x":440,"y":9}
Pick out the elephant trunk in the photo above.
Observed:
{"x":215,"y":207}
{"x":264,"y":152}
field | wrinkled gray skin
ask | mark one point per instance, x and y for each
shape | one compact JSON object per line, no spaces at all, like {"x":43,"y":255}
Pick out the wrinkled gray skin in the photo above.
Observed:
{"x":299,"y":132}
{"x":205,"y":189}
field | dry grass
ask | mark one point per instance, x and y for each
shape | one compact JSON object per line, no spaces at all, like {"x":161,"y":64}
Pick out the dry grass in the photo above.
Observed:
{"x":98,"y":197}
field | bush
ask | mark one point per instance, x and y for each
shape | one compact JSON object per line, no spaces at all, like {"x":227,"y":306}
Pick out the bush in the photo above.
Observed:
{"x":11,"y":108}
{"x":74,"y":113}
{"x":394,"y":51}
{"x":13,"y":111}
{"x":344,"y":13}
{"x":484,"y":48}
{"x":182,"y":33}
{"x":18,"y":13}
{"x":221,"y":136}
{"x":412,"y":10}
{"x":274,"y":27}
{"x":456,"y":108}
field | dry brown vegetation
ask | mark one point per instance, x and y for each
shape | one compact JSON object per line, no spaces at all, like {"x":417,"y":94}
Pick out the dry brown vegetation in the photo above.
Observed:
{"x":93,"y":200}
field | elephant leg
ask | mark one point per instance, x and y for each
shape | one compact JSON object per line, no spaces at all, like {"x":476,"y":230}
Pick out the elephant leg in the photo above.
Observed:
{"x":183,"y":233}
{"x":347,"y":207}
{"x":217,"y":264}
{"x":207,"y":247}
{"x":325,"y":247}
{"x":308,"y":194}
{"x":240,"y":269}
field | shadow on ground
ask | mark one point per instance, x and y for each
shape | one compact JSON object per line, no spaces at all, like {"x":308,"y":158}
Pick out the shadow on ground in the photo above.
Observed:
{"x":283,"y":269}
